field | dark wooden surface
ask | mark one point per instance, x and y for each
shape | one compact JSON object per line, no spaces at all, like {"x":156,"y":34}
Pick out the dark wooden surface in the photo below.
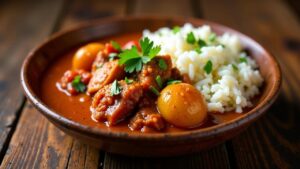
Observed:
{"x":28,"y":140}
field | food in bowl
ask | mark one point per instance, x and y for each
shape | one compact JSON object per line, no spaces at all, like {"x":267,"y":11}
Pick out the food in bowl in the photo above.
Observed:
{"x":169,"y":80}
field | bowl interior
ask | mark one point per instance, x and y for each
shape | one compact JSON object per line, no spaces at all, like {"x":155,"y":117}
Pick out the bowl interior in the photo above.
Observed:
{"x":42,"y":56}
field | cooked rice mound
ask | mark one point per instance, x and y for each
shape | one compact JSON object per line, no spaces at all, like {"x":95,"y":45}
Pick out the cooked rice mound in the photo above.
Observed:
{"x":234,"y":78}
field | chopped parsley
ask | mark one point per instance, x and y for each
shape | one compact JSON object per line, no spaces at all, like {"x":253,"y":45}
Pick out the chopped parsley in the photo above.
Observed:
{"x":159,"y":81}
{"x":116,"y":45}
{"x":212,"y":37}
{"x":115,"y":88}
{"x":78,"y":85}
{"x":198,"y":50}
{"x":173,"y":82}
{"x":162,"y":64}
{"x":176,"y":29}
{"x":208,"y":67}
{"x":154,"y":90}
{"x":201,"y":43}
{"x":193,"y":41}
{"x":191,"y":38}
{"x":234,"y":67}
{"x":133,"y":60}
{"x":243,"y":59}
{"x":128,"y":81}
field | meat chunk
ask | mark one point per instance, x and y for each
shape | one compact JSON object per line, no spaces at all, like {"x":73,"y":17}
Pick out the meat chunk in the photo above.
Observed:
{"x":176,"y":75}
{"x":101,"y":58}
{"x":66,"y":82}
{"x":115,"y":108}
{"x":147,"y":119}
{"x":152,"y":69}
{"x":104,"y":75}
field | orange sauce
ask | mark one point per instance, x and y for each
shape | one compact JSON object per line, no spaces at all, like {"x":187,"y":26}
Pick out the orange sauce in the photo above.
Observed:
{"x":77,"y":108}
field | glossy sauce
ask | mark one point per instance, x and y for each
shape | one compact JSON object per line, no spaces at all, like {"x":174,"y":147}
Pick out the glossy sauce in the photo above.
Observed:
{"x":77,"y":108}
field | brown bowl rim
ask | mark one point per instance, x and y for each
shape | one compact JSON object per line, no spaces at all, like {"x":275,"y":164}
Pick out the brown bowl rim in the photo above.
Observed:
{"x":253,"y":114}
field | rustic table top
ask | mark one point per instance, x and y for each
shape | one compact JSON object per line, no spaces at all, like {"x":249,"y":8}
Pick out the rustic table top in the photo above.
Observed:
{"x":28,"y":140}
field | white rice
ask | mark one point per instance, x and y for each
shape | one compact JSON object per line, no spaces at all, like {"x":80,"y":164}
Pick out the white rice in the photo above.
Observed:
{"x":225,"y":88}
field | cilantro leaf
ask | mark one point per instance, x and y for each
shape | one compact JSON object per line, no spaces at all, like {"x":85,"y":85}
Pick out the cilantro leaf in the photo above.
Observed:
{"x":146,"y":46}
{"x":133,"y":60}
{"x":159,"y":81}
{"x":208,"y":67}
{"x":173,"y":82}
{"x":78,"y":85}
{"x":201,"y":43}
{"x":132,"y":65}
{"x":176,"y":29}
{"x":154,"y":90}
{"x":234,"y":67}
{"x":128,"y":54}
{"x":191,"y":38}
{"x":128,"y":81}
{"x":198,"y":50}
{"x":162,"y":64}
{"x":154,"y":51}
{"x":116,"y":45}
{"x":115,"y":89}
{"x":243,"y":59}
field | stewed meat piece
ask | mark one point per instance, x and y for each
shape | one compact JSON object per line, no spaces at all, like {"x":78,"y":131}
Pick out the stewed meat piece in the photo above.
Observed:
{"x":159,"y":66}
{"x":67,"y":81}
{"x":115,"y":108}
{"x":147,"y":119}
{"x":101,"y":58}
{"x":105,"y":74}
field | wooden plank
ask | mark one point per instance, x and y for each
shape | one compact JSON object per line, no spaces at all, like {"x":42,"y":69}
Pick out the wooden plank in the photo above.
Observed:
{"x":214,"y":158}
{"x":45,"y":146}
{"x":273,"y":142}
{"x":19,"y":33}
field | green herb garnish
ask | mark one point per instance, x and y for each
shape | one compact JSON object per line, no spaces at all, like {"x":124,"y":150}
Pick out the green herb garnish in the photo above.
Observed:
{"x":133,"y":60}
{"x":243,"y":59}
{"x":154,"y":90}
{"x":116,"y":45}
{"x":78,"y":85}
{"x":173,"y":82}
{"x":162,"y":64}
{"x":198,"y":50}
{"x":212,"y":37}
{"x":128,"y":81}
{"x":159,"y":81}
{"x":234,"y":67}
{"x":201,"y":43}
{"x":115,"y":89}
{"x":208,"y":67}
{"x":176,"y":29}
{"x":191,"y":38}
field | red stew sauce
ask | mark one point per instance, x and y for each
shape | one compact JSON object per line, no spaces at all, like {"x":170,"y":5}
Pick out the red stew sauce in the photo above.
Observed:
{"x":77,"y":107}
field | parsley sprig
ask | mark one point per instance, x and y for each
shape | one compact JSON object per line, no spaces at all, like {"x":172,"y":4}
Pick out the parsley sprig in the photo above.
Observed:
{"x":134,"y":60}
{"x":78,"y":85}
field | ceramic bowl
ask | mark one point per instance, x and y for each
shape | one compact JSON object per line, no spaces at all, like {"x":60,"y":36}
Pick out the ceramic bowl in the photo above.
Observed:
{"x":161,"y":144}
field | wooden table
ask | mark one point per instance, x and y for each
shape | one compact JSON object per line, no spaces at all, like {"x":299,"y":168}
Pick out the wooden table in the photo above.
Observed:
{"x":28,"y":140}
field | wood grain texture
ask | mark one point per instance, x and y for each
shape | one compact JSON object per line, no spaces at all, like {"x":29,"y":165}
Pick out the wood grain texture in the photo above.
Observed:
{"x":205,"y":159}
{"x":18,"y":34}
{"x":36,"y":143}
{"x":274,"y":141}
